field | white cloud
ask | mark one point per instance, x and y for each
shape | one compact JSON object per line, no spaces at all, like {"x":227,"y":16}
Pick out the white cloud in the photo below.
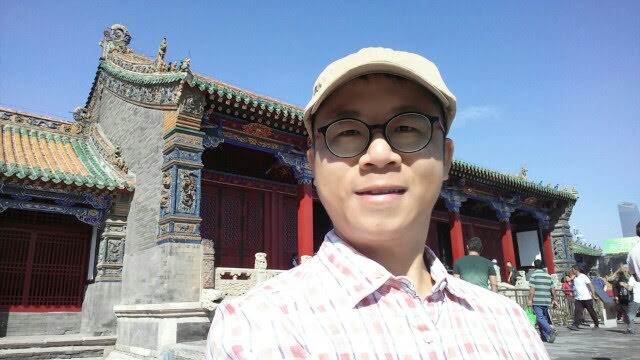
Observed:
{"x":474,"y":114}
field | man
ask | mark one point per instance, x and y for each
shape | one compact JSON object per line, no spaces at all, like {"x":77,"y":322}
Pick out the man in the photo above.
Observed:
{"x":633,"y":260}
{"x":585,"y":293}
{"x":542,"y":294}
{"x":631,"y":308}
{"x":621,"y":296}
{"x":512,"y":276}
{"x":475,"y":268}
{"x":377,"y":121}
{"x":596,"y":280}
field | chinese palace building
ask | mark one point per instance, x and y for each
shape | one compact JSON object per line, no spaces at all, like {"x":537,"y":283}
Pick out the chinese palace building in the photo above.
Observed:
{"x":172,"y":190}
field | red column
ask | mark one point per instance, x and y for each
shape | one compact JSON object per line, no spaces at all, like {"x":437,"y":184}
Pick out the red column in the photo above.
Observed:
{"x":548,"y":252}
{"x":305,"y":220}
{"x":507,"y":245}
{"x":455,"y":232}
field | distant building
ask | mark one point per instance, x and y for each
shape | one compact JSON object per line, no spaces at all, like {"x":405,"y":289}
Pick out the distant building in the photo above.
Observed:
{"x":629,"y":217}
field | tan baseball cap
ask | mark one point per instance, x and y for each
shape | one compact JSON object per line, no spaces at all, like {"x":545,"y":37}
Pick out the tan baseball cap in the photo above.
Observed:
{"x":381,"y":60}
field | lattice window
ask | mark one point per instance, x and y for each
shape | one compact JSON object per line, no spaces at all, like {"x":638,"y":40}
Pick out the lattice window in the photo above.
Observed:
{"x":208,"y":212}
{"x":290,"y":225}
{"x":14,"y":251}
{"x":231,"y":218}
{"x":255,"y":234}
{"x":42,"y":261}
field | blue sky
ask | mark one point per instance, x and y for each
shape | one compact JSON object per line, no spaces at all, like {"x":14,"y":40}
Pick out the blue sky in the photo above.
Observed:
{"x":551,"y":85}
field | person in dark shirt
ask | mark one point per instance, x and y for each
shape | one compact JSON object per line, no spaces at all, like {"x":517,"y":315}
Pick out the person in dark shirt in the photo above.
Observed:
{"x":512,"y":274}
{"x":475,"y":268}
{"x":620,"y":295}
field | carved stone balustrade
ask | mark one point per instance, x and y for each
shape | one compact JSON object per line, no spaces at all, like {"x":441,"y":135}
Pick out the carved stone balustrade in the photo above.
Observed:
{"x":234,"y":282}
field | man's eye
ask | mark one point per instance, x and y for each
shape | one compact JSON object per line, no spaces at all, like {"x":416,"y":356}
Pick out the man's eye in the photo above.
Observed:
{"x":405,"y":128}
{"x":351,"y":132}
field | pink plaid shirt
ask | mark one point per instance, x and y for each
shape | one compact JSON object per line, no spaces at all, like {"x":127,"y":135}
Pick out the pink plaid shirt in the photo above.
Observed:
{"x":343,"y":305}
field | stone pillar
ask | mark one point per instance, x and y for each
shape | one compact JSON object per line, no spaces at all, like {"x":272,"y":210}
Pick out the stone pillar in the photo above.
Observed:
{"x":305,"y":220}
{"x":453,"y":200}
{"x":503,"y":211}
{"x":100,"y":297}
{"x":561,"y":240}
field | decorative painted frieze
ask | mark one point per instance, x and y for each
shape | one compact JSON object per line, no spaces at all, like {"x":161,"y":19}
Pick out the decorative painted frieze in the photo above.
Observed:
{"x":503,"y":209}
{"x":453,"y":198}
{"x":162,"y":94}
{"x":89,"y":216}
{"x":298,"y":162}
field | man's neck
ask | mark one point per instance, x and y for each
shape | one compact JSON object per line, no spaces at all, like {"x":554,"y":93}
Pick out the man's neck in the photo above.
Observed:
{"x":474,"y":253}
{"x":401,"y":261}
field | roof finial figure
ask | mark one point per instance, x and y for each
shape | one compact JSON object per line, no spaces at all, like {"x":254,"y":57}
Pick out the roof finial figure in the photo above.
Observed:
{"x":523,"y":172}
{"x":162,"y":51}
{"x":115,"y":38}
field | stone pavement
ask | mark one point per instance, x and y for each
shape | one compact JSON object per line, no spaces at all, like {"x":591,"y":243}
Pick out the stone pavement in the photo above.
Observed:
{"x":601,"y":344}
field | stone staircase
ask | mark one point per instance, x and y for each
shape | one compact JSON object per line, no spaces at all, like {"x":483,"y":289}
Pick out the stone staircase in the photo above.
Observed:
{"x":72,"y":346}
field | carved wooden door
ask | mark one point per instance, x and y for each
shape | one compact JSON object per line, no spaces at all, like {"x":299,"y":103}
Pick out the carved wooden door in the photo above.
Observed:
{"x":234,"y":219}
{"x":43,"y":261}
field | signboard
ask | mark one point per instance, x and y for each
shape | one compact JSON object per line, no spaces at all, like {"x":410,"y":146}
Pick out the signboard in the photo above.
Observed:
{"x":620,"y":245}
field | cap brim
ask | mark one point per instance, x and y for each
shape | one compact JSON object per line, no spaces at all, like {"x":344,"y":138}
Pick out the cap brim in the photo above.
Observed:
{"x":383,"y":67}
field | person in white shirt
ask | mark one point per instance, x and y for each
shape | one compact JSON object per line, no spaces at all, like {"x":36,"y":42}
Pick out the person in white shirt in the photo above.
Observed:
{"x":633,"y":259}
{"x":634,"y":302}
{"x":585,"y":294}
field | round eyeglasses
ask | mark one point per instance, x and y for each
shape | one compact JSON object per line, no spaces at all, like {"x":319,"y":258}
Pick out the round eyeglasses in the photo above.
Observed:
{"x":407,"y":132}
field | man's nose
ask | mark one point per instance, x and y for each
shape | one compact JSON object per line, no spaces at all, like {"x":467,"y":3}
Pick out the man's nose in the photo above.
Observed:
{"x":379,"y":153}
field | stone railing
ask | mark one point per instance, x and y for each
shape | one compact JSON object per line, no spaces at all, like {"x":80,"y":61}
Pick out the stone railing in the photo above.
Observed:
{"x":234,"y":282}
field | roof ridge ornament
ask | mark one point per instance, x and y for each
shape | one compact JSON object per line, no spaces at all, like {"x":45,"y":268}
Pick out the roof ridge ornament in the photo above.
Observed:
{"x":159,"y":62}
{"x":116,"y":38}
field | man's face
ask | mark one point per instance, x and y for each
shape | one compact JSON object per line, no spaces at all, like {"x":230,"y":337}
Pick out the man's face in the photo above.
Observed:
{"x":381,"y":195}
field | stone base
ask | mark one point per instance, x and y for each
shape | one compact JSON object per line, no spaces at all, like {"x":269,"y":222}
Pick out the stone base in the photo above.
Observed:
{"x":39,"y":323}
{"x":145,"y":330}
{"x":97,"y":308}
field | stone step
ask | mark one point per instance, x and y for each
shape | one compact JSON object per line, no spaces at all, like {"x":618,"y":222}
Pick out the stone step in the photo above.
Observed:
{"x":44,"y":341}
{"x":53,"y":352}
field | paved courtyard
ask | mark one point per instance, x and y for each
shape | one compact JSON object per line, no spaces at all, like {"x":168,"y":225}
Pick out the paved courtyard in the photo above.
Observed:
{"x":601,"y":344}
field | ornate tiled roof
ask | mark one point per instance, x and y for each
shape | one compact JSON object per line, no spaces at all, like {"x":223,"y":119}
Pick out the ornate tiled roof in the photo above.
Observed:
{"x":50,"y":150}
{"x":511,"y":182}
{"x":582,"y":248}
{"x":122,"y":63}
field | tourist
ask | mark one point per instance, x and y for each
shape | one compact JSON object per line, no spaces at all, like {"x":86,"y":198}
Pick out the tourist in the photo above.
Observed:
{"x":567,"y":287}
{"x":512,"y":275}
{"x":633,"y":259}
{"x":621,"y":296}
{"x":542,"y":294}
{"x":631,"y":308}
{"x":585,"y":294}
{"x":475,"y":268}
{"x":597,"y":281}
{"x":378,"y":121}
{"x":496,"y":269}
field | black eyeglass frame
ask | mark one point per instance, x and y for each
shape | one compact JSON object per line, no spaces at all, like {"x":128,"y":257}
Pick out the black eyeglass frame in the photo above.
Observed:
{"x":432,"y":119}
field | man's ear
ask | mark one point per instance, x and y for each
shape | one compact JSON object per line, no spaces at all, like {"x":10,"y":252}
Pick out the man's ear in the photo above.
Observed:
{"x":447,"y":158}
{"x":311,"y":157}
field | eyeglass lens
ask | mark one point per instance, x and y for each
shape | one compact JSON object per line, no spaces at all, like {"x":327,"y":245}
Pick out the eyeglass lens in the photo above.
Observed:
{"x":406,"y":133}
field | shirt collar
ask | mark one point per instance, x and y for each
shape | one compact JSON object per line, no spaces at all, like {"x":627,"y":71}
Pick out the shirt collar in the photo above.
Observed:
{"x":360,"y":276}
